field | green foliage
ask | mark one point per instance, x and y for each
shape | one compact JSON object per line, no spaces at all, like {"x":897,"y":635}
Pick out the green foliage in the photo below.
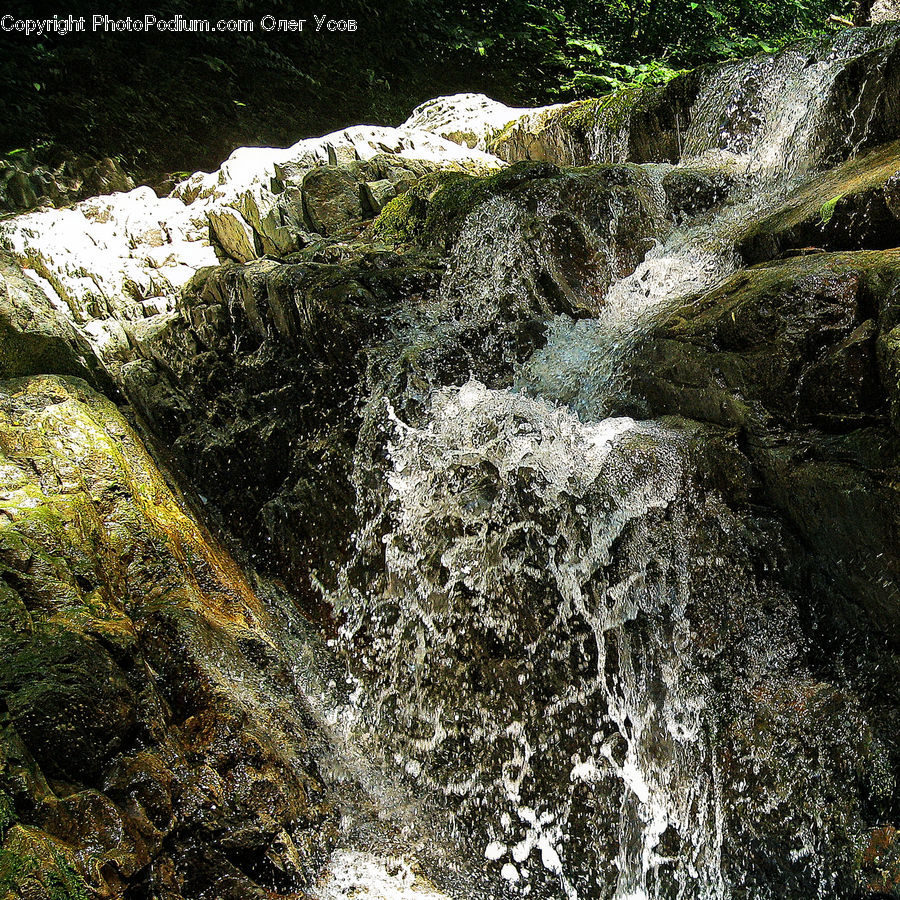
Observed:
{"x":184,"y":101}
{"x":826,"y":211}
{"x":568,"y":49}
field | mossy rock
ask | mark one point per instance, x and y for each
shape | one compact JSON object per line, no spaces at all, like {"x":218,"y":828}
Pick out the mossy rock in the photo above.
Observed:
{"x":850,"y":207}
{"x":67,"y":699}
{"x":432,"y":211}
{"x":37,"y":866}
{"x":121,"y":623}
{"x":799,"y":354}
{"x":639,"y":123}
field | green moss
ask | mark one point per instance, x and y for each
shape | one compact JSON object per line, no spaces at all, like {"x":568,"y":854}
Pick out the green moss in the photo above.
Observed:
{"x":7,"y":813}
{"x":63,"y":882}
{"x":60,"y":880}
{"x":396,"y":222}
{"x":434,"y":208}
{"x":14,"y":868}
{"x":403,"y":219}
{"x":611,"y":111}
{"x":826,"y":210}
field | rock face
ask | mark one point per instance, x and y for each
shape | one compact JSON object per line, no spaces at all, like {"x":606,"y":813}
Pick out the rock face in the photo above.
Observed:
{"x":273,"y":352}
{"x":468,"y":119}
{"x":36,"y":337}
{"x":799,"y":355}
{"x":125,"y":257}
{"x":140,"y":744}
{"x":588,"y":477}
{"x":854,"y":205}
{"x":25,"y":184}
{"x":876,"y":13}
{"x":278,"y":351}
{"x":641,"y":124}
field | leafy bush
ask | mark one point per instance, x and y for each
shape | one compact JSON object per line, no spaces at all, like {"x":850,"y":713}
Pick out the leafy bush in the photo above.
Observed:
{"x":166,"y":102}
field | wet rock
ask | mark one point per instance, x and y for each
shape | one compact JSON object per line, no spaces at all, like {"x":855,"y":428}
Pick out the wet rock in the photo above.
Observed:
{"x":37,"y":337}
{"x":341,"y":155}
{"x":512,"y":712}
{"x":606,"y":658}
{"x":232,"y":235}
{"x":691,"y":191}
{"x":881,"y":861}
{"x":787,"y":344}
{"x":884,"y":11}
{"x":864,"y":102}
{"x":640,"y":124}
{"x":126,"y":634}
{"x":276,"y":351}
{"x":67,"y":700}
{"x":798,"y":354}
{"x":854,"y":206}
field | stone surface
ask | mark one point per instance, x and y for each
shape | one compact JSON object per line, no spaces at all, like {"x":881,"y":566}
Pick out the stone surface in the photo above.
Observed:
{"x":854,"y":206}
{"x":25,"y":183}
{"x":639,"y":124}
{"x":376,"y":194}
{"x":691,"y":191}
{"x":799,"y":355}
{"x":884,"y":11}
{"x":277,"y":350}
{"x":331,"y":198}
{"x":140,"y":676}
{"x":468,"y":119}
{"x":878,"y":12}
{"x":649,"y":656}
{"x":37,"y":337}
{"x":109,"y":257}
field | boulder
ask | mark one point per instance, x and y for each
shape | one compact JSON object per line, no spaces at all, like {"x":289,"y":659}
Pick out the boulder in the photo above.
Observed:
{"x":692,"y":190}
{"x":799,"y":355}
{"x":36,"y":337}
{"x":26,"y":183}
{"x":376,"y":194}
{"x":471,"y":120}
{"x":331,"y":199}
{"x":133,"y":647}
{"x":853,"y":206}
{"x":634,"y":124}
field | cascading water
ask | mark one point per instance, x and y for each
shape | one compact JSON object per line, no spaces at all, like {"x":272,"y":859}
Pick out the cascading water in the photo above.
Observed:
{"x":540,"y":591}
{"x":762,"y":123}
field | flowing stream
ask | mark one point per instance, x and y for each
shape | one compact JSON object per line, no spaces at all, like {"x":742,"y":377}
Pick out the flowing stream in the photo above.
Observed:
{"x":539,"y":588}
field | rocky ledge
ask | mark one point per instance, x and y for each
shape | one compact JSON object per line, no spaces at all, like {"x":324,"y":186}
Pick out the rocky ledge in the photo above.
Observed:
{"x":315,"y":586}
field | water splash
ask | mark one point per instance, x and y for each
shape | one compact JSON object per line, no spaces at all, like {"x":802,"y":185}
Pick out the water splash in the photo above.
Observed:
{"x":540,"y":591}
{"x":764,"y":124}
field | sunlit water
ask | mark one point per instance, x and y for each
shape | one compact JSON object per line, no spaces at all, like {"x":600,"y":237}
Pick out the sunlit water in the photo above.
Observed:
{"x":520,"y":598}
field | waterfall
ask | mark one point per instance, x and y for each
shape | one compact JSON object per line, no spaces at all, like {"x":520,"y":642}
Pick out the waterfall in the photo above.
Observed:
{"x":764,"y":124}
{"x":539,"y":588}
